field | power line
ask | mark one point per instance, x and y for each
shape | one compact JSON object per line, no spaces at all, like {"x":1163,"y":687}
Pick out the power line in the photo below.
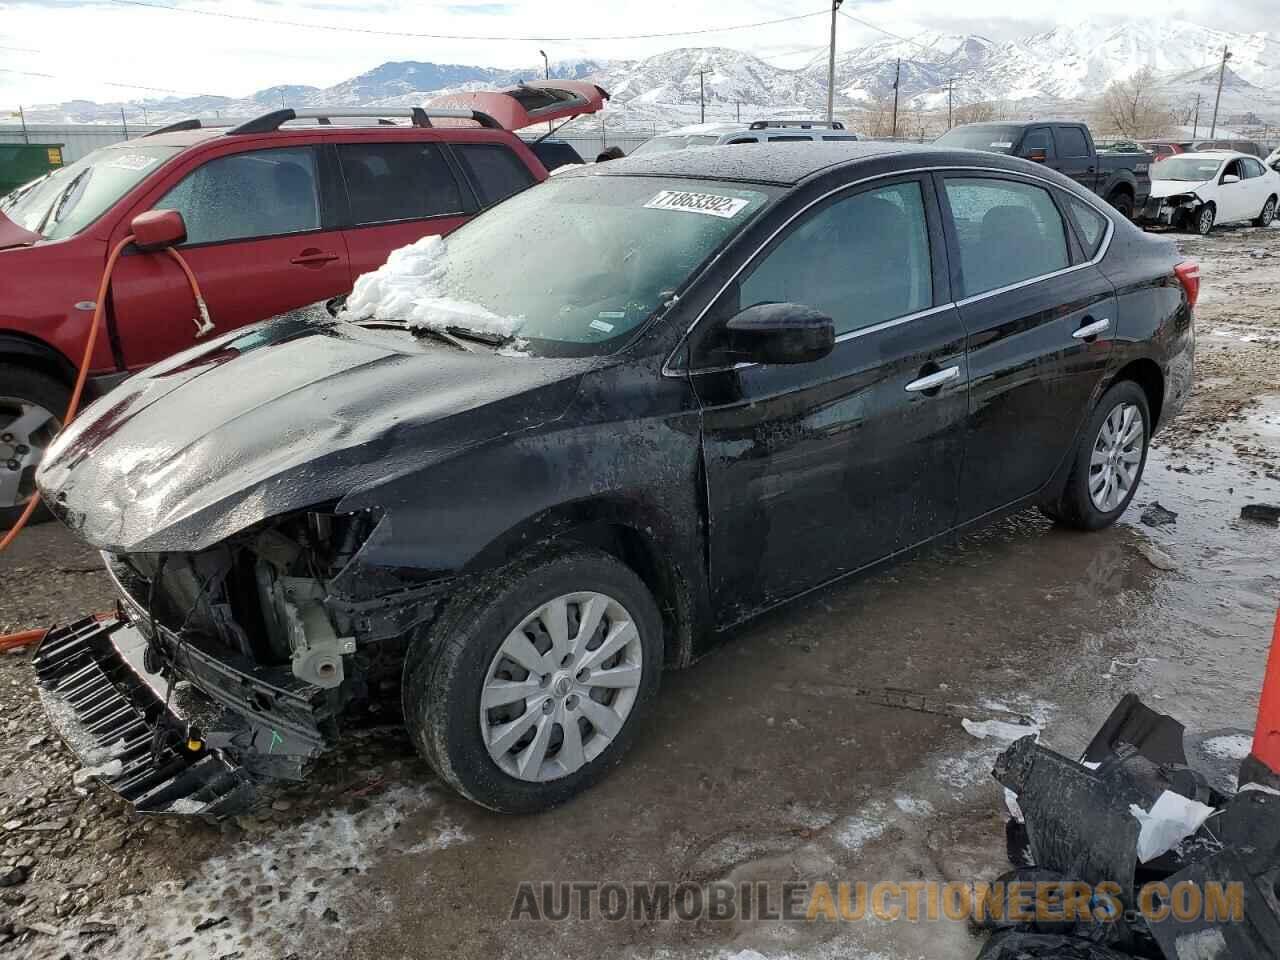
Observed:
{"x":887,"y":33}
{"x":109,"y":83}
{"x":148,"y":5}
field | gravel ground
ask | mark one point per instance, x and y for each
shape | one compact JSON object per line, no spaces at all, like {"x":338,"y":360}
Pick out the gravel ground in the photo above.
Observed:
{"x":791,"y":753}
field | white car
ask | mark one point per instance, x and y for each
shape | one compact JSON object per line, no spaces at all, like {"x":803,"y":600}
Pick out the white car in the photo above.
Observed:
{"x":1195,"y":191}
{"x":1273,"y":160}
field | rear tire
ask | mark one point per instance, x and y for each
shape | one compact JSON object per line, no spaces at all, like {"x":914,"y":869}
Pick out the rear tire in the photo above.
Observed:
{"x":25,"y":397}
{"x":1124,"y":203}
{"x":475,"y":648}
{"x":1108,"y":463}
{"x":1268,"y":213}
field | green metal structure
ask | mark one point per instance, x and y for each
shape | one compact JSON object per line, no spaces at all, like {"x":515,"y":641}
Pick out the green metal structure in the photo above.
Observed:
{"x":21,"y":162}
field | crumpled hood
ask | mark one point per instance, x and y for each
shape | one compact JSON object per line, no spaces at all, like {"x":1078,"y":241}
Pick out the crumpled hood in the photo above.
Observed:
{"x":1169,"y":188}
{"x":278,"y":417}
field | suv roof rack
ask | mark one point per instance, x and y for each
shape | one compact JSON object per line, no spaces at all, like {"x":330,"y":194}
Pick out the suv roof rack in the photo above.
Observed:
{"x":191,"y":123}
{"x":418,"y":117}
{"x":801,"y":124}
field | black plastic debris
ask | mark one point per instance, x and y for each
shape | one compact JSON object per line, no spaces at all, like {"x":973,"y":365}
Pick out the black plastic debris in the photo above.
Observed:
{"x":1077,"y":840}
{"x":1157,"y":515}
{"x":1261,"y":512}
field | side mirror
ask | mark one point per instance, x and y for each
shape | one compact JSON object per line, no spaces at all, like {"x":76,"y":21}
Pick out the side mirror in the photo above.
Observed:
{"x":1230,"y":178}
{"x":1037,"y":155}
{"x":781,"y":333}
{"x":157,"y":229}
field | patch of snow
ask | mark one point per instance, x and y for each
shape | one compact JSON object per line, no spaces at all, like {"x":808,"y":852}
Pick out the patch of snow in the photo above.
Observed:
{"x":410,"y":289}
{"x":1000,"y":730}
{"x":105,"y":771}
{"x":1171,"y":819}
{"x":913,"y":806}
{"x":185,"y":805}
{"x":1011,"y":802}
{"x":1233,"y":747}
{"x":858,"y":831}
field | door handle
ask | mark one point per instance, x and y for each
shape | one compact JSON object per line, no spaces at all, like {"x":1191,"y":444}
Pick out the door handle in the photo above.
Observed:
{"x":308,"y":257}
{"x":1091,"y":330}
{"x":933,"y":380}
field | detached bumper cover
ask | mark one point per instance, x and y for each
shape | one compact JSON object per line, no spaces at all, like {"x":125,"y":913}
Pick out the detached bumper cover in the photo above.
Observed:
{"x":108,"y":706}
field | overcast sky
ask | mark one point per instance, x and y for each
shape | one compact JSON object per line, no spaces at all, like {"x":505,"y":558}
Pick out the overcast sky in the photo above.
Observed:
{"x":54,"y":50}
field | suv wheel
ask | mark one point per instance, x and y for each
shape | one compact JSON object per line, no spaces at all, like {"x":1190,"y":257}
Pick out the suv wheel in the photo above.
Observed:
{"x":1268,"y":213}
{"x":530,"y":685}
{"x":1109,"y":461}
{"x":31,"y":405}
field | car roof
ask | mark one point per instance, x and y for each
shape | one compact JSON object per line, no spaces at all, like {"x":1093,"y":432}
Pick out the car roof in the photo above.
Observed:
{"x":1216,"y":154}
{"x":704,"y":129}
{"x":771,"y":164}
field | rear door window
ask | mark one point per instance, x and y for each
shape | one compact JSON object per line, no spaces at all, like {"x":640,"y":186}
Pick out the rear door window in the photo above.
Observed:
{"x":495,"y":171}
{"x":261,"y":193}
{"x":1071,"y":142}
{"x":1091,"y":226}
{"x":387,"y":182}
{"x":861,"y":260}
{"x":1006,"y":231}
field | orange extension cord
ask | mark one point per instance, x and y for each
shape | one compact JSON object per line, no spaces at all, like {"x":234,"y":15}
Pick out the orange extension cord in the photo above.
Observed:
{"x":31,"y":636}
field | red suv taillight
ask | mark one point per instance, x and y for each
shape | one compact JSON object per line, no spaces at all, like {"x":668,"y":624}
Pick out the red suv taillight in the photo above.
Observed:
{"x":1188,"y":273}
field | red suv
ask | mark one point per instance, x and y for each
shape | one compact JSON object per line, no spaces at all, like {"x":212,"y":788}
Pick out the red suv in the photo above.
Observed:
{"x":276,"y":218}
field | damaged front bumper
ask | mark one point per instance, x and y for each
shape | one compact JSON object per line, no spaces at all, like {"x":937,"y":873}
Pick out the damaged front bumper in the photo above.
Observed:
{"x":201,"y":747}
{"x":1170,"y":211}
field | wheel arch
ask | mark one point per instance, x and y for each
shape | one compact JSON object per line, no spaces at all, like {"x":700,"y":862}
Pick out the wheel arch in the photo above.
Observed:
{"x":25,"y":350}
{"x":617,"y":528}
{"x":1146,"y":373}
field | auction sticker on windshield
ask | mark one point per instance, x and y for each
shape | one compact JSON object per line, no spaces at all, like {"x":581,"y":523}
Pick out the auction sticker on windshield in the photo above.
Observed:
{"x":707,"y":203}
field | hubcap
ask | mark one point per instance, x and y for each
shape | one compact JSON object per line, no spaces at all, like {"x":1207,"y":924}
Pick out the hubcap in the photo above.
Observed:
{"x":1206,"y":221}
{"x":26,"y":428}
{"x":1116,"y":457}
{"x":561,"y":686}
{"x":1268,"y":213}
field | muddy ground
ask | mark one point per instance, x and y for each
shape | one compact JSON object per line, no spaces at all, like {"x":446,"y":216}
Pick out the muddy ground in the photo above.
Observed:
{"x":824,"y":742}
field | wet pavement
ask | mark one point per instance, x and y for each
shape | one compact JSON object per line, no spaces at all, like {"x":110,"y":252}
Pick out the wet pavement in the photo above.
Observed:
{"x":824,"y":742}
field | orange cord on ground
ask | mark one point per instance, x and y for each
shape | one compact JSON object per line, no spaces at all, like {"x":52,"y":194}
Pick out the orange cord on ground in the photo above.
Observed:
{"x":74,"y":405}
{"x":1266,"y":739}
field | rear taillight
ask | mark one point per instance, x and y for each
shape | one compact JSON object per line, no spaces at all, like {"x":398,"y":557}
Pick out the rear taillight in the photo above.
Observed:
{"x":1188,"y":273}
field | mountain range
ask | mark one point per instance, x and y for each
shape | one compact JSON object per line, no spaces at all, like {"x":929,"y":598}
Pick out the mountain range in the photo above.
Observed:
{"x":1033,"y":75}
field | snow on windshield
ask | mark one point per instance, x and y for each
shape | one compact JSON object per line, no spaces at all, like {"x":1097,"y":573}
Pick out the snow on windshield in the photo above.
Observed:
{"x":409,"y":289}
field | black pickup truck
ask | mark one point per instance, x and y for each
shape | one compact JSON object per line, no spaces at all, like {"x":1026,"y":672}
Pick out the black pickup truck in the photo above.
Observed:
{"x":1122,"y":179}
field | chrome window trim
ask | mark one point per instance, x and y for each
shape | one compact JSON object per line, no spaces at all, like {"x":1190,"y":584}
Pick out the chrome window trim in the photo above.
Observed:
{"x":669,"y":371}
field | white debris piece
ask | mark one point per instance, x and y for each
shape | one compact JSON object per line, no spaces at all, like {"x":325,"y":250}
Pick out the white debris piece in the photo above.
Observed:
{"x":1000,"y":729}
{"x":410,"y":289}
{"x":1202,"y":945}
{"x":106,"y":771}
{"x":1015,"y":809}
{"x":1231,"y":747}
{"x":1171,"y":820}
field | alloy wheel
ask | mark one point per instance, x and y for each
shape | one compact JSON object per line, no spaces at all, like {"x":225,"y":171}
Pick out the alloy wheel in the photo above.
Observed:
{"x":561,"y":686}
{"x":26,"y":429}
{"x":1206,"y":221}
{"x":1116,"y":457}
{"x":1269,"y":212}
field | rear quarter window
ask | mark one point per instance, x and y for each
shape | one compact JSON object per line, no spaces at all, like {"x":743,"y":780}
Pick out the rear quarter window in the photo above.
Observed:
{"x":1091,"y":226}
{"x":495,"y":171}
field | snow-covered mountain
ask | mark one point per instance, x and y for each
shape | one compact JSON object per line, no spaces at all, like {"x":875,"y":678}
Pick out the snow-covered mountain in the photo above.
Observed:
{"x":1069,"y":64}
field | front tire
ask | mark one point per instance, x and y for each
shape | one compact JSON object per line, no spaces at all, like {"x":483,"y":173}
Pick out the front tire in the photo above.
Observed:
{"x":1203,"y":219}
{"x":1268,"y":213}
{"x":31,"y":409}
{"x":1124,"y":203}
{"x":1109,"y":461}
{"x":531,"y":684}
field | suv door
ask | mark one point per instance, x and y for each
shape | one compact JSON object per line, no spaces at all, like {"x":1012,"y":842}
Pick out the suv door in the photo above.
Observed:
{"x":1039,"y":317}
{"x":259,"y":241}
{"x":815,"y":470}
{"x":397,"y":192}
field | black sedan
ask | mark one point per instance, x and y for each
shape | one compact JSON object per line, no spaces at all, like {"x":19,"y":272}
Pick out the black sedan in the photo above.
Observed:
{"x":530,"y":466}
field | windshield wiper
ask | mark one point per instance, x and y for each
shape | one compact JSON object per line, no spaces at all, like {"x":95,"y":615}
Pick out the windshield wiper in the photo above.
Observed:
{"x":479,"y":336}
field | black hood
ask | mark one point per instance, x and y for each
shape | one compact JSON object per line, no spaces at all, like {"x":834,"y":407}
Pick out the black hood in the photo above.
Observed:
{"x":291,"y":413}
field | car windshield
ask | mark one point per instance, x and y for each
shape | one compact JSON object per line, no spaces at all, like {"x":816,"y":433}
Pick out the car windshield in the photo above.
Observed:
{"x":569,"y":268}
{"x":64,"y":202}
{"x":999,"y":138}
{"x":1192,"y":169}
{"x":667,"y":144}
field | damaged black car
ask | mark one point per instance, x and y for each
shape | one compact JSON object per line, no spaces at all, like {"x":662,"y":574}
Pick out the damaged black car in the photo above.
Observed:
{"x":525,"y":468}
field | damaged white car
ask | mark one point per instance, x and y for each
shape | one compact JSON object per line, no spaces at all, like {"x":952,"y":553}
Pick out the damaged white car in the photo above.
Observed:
{"x":1196,"y":191}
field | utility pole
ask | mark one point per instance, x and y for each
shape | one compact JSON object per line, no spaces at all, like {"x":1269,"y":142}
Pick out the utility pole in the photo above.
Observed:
{"x":125,"y":123}
{"x":897,"y":77}
{"x":702,"y":95}
{"x":738,"y":104}
{"x":951,"y":83}
{"x":1195,"y":122}
{"x":23,"y":116}
{"x":546,"y":74}
{"x":1222,"y":72}
{"x":831,"y":64}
